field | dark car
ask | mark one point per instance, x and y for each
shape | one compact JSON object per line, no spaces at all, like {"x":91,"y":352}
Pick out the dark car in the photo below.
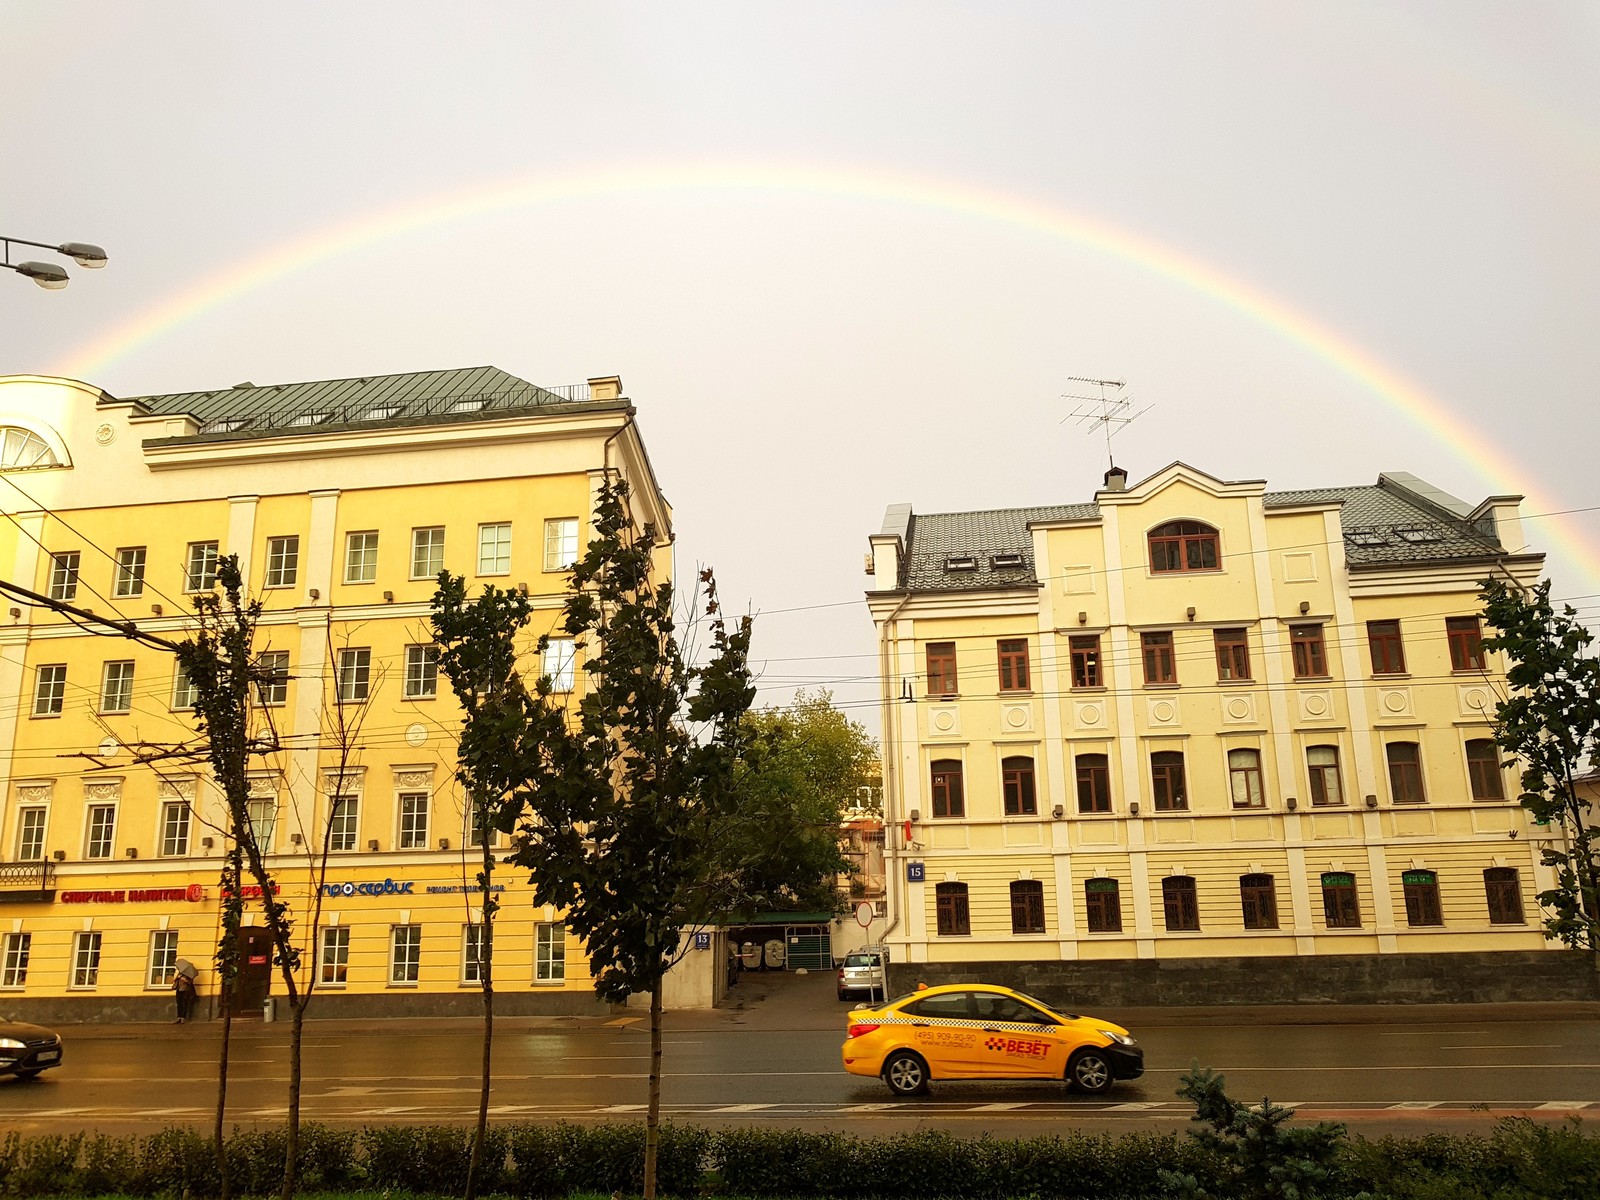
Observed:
{"x":25,"y":1050}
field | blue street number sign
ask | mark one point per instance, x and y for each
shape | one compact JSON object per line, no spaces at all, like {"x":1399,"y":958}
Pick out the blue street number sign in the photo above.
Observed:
{"x":916,"y":872}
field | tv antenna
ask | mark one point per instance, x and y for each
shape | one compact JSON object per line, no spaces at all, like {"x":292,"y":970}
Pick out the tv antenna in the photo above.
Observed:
{"x":1109,"y":409}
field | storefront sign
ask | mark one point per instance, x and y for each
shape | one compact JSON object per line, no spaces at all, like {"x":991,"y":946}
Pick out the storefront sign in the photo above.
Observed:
{"x":387,"y":888}
{"x":193,"y":894}
{"x":250,"y":891}
{"x":456,"y":889}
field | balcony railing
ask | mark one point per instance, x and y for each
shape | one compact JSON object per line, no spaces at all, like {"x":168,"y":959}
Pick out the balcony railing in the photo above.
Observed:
{"x":20,"y":882}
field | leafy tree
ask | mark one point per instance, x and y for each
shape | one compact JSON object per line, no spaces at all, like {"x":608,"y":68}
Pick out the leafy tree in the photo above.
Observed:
{"x":800,"y":767}
{"x":1551,"y":723}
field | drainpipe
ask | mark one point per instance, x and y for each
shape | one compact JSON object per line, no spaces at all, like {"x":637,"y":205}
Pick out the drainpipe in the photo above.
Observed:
{"x":890,"y":776}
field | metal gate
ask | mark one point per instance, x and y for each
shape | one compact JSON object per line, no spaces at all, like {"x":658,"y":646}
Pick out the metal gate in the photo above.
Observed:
{"x":809,"y":947}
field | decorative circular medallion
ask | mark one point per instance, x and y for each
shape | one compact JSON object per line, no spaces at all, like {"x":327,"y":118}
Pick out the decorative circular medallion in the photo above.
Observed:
{"x":1316,"y":706}
{"x":1163,"y":710}
{"x":1089,"y":714}
{"x":1477,"y":699}
{"x":108,"y":747}
{"x":104,"y":434}
{"x":944,"y":720}
{"x":1395,"y":702}
{"x":1239,"y":708}
{"x":1017,"y":718}
{"x":416,"y":735}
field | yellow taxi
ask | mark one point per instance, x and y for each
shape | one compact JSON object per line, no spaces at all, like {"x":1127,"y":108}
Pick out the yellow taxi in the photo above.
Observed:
{"x":981,"y":1031}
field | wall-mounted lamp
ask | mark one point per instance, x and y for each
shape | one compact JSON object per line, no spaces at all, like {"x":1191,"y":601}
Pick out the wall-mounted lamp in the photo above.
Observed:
{"x":294,"y":839}
{"x":1189,"y":612}
{"x":388,"y":597}
{"x":1305,"y":607}
{"x":373,"y":845}
{"x":1059,"y":811}
{"x":60,"y":856}
{"x":523,"y":588}
{"x":16,"y":614}
{"x":132,"y":852}
{"x":314,"y":594}
{"x":157,"y":609}
{"x":1372,"y":802}
{"x":444,"y":843}
{"x":1133,"y":808}
{"x":1291,"y":803}
{"x":1083,"y":618}
{"x":206,"y":843}
{"x":916,"y":814}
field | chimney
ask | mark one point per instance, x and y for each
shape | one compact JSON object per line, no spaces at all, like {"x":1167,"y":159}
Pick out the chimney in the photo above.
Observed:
{"x":605,"y":387}
{"x":1116,"y":479}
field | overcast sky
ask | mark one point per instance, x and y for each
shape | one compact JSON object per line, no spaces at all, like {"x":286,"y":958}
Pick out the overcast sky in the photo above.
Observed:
{"x":847,"y":255}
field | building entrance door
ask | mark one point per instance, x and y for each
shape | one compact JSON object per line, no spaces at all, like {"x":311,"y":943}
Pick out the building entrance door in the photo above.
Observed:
{"x":254,"y":983}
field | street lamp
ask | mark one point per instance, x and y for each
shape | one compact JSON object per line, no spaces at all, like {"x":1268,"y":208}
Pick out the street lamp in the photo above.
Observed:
{"x":48,"y":275}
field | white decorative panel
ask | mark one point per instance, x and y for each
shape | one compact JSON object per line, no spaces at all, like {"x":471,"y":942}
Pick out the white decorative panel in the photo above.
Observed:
{"x":1239,"y":709}
{"x":1078,"y":580}
{"x":1090,"y":714}
{"x":1332,"y":825}
{"x":1174,"y":829}
{"x":1299,"y":566}
{"x":1476,"y":700}
{"x":1030,"y":833}
{"x":1016,"y":718}
{"x":1162,"y":710}
{"x":1394,"y":702}
{"x":1098,"y":833}
{"x":1316,"y":705}
{"x":944,"y":720}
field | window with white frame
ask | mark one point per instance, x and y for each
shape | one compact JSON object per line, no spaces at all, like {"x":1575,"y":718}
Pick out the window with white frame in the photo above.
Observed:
{"x":413,"y":820}
{"x":185,"y":695}
{"x":550,"y":953}
{"x":101,"y":831}
{"x":128,"y":580}
{"x":355,"y":674}
{"x":422,"y":672}
{"x":560,"y":543}
{"x":263,"y":814}
{"x":86,"y":958}
{"x":405,"y":953}
{"x":283,"y":561}
{"x":30,"y":832}
{"x":342,"y":814}
{"x":560,"y":663}
{"x":475,"y":830}
{"x":427,"y":552}
{"x":361,"y":556}
{"x":472,"y":953}
{"x":64,"y":575}
{"x":14,"y":960}
{"x":272,"y":677}
{"x":494,"y":549}
{"x":116,"y":687}
{"x":163,"y":958}
{"x":200,"y":567}
{"x":50,"y":690}
{"x":174,"y":828}
{"x":335,"y":958}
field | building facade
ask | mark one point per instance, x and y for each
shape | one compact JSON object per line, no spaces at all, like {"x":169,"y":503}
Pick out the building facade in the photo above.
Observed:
{"x":1196,"y":734}
{"x":343,"y":500}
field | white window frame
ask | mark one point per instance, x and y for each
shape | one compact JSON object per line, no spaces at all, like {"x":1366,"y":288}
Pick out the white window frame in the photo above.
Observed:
{"x":560,"y":663}
{"x":85,"y":974}
{"x":344,"y":821}
{"x":163,"y":961}
{"x":128,"y":575}
{"x":412,"y":827}
{"x":471,"y":954}
{"x":185,"y":695}
{"x":14,"y":957}
{"x":200,"y":566}
{"x":64,"y":574}
{"x":107,"y":844}
{"x":33,"y":824}
{"x":422,"y":672}
{"x":50,"y":692}
{"x":354,"y":675}
{"x":275,"y":694}
{"x":262,"y":812}
{"x":550,"y":953}
{"x":283,"y":561}
{"x":176,"y":824}
{"x":121,"y":700}
{"x":560,"y":543}
{"x":333,"y":956}
{"x":427,"y":551}
{"x":405,"y":955}
{"x":361,"y":556}
{"x":494,"y":548}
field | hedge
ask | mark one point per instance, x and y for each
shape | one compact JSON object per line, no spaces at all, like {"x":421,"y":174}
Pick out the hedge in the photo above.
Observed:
{"x":1519,"y":1160}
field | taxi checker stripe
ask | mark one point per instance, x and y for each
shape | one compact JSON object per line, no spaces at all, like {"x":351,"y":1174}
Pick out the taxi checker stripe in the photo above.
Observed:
{"x":963,"y":1023}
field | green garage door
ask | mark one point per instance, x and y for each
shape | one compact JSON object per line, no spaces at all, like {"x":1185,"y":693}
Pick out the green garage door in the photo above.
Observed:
{"x":809,"y":947}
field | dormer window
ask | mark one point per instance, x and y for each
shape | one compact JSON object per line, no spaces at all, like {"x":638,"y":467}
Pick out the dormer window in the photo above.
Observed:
{"x":382,"y":412}
{"x":1003,"y":562}
{"x":226,"y":424}
{"x":1183,"y":546}
{"x":469,"y":404}
{"x":300,"y":420}
{"x":1418,"y":533}
{"x":961,"y":562}
{"x":1366,"y":537}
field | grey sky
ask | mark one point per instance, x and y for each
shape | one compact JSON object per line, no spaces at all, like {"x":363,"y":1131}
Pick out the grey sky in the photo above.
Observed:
{"x":794,"y":231}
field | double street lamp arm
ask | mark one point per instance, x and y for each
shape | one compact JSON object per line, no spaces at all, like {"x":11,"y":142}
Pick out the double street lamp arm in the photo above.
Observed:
{"x":48,"y":275}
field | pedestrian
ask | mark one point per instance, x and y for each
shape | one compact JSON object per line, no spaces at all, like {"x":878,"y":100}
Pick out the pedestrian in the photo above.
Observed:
{"x":183,"y":977}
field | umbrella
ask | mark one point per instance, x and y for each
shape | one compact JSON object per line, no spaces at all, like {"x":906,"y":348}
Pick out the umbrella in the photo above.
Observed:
{"x":184,"y":967}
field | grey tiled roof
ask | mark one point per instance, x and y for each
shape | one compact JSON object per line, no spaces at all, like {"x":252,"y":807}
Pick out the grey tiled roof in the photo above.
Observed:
{"x":979,"y":536}
{"x":413,"y":398}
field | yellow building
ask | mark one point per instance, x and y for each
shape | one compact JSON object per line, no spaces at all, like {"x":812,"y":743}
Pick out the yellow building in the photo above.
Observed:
{"x":343,"y":500}
{"x":1199,"y":741}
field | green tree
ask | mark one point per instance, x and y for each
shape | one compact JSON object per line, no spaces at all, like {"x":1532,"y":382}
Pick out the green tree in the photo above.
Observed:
{"x":800,"y":767}
{"x":1551,"y":723}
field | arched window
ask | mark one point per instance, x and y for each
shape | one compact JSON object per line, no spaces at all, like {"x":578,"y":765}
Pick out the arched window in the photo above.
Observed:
{"x":1258,"y":897}
{"x":1422,"y":898}
{"x":1340,"y":908}
{"x":1181,"y":903}
{"x":24,"y":450}
{"x":1094,"y":783}
{"x":1102,"y":906}
{"x":1027,"y":906}
{"x":1483,"y":770}
{"x":1016,"y":785}
{"x":1183,"y":546}
{"x":948,"y":800}
{"x":1503,"y":891}
{"x":951,"y":909}
{"x":1405,"y":772}
{"x":1323,"y":764}
{"x":1244,"y":779}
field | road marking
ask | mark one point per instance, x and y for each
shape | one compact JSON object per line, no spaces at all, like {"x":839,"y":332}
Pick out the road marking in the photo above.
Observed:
{"x":1562,"y":1105}
{"x":623,"y":1108}
{"x":741,"y":1108}
{"x":996,"y":1107}
{"x":1140,"y":1106}
{"x":1522,"y":1046}
{"x":623,"y":1022}
{"x":1417,"y":1104}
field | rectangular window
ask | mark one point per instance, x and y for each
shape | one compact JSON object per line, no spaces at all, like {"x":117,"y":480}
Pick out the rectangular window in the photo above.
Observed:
{"x":560,"y":543}
{"x":50,"y":690}
{"x":1422,"y":898}
{"x":1233,"y":654}
{"x":86,"y":959}
{"x":1310,"y":655}
{"x":102,"y":825}
{"x":1094,"y":783}
{"x":1483,"y":770}
{"x":1339,"y":906}
{"x":185,"y":695}
{"x":30,"y":833}
{"x":1180,"y":903}
{"x":1085,"y":660}
{"x":1159,"y":666}
{"x":342,"y":829}
{"x":1466,"y":643}
{"x":200,"y":567}
{"x":1503,"y":893}
{"x":174,"y":829}
{"x":283,"y":561}
{"x":413,"y":820}
{"x":472,"y":953}
{"x":1387,"y":650}
{"x":1167,"y":781}
{"x":1244,"y":779}
{"x":1102,"y":906}
{"x":129,"y":575}
{"x":941,"y":668}
{"x":262,"y":812}
{"x":1017,"y":788}
{"x":948,"y":800}
{"x":64,"y":575}
{"x":427,"y":552}
{"x":1013,"y":664}
{"x":560,"y":664}
{"x":1322,"y":763}
{"x":272,"y":677}
{"x":1405,"y":772}
{"x":494,"y":549}
{"x":335,"y":955}
{"x":361,"y":557}
{"x":14,"y":963}
{"x":116,"y":687}
{"x":550,"y":953}
{"x":952,"y":917}
{"x":476,"y":817}
{"x":163,"y":958}
{"x":405,"y":953}
{"x":1027,"y":906}
{"x":1258,"y":899}
{"x":355,"y":674}
{"x":422,"y":672}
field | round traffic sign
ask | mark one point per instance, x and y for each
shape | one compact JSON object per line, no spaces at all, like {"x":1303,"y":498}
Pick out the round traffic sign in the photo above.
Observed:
{"x":864,"y":913}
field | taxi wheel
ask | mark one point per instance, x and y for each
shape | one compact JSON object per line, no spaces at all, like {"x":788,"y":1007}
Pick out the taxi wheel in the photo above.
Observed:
{"x":906,"y":1074}
{"x":1090,"y":1071}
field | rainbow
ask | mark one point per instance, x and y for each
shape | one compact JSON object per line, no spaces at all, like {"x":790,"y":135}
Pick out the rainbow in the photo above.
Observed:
{"x":1425,"y":412}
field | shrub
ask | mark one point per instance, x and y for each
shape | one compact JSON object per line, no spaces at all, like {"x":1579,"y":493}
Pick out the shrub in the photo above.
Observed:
{"x":172,"y":1162}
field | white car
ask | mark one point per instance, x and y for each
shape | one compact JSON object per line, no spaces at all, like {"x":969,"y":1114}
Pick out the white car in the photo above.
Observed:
{"x":862,"y":972}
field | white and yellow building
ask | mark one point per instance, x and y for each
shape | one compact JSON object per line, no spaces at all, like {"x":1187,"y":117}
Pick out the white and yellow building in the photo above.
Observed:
{"x":343,"y":500}
{"x":1197,"y":740}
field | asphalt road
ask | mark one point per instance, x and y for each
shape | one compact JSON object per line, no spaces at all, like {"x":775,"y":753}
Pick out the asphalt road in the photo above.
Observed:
{"x":778,"y":1063}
